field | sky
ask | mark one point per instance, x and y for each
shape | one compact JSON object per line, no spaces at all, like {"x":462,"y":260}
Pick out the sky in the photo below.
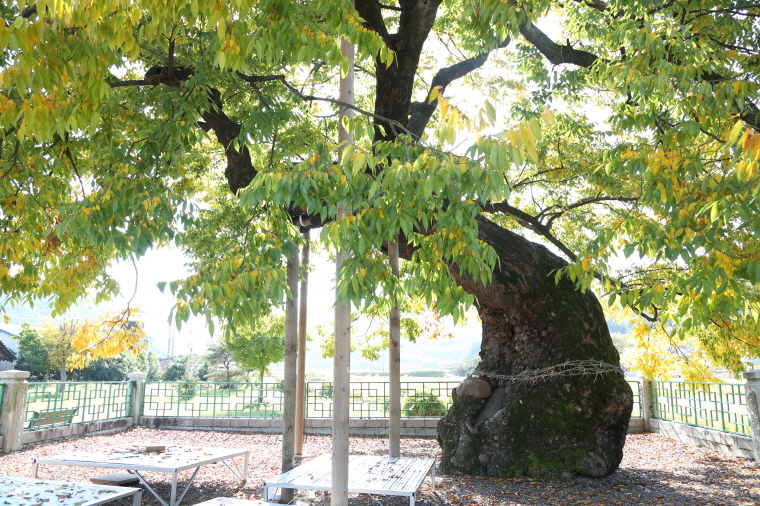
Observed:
{"x":168,"y":264}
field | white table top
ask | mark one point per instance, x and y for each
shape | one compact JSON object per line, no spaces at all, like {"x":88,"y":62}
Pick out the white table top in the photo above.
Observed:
{"x":16,"y":491}
{"x":366,"y":474}
{"x":174,"y":458}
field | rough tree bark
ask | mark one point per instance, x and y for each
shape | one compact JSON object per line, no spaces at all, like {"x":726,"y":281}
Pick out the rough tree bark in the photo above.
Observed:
{"x":555,"y":427}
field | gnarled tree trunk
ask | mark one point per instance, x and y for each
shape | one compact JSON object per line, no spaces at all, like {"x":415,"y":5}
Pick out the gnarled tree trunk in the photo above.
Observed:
{"x":558,"y":425}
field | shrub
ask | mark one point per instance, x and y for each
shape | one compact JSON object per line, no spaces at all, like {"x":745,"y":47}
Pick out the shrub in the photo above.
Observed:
{"x":423,"y":404}
{"x":186,"y":391}
{"x":326,"y":392}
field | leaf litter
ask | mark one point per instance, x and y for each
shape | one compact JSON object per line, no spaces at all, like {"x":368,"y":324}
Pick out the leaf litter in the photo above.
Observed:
{"x":655,"y":471}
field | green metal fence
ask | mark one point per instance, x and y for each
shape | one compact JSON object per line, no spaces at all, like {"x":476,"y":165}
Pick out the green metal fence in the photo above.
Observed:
{"x":55,"y":404}
{"x":264,"y":400}
{"x":370,"y":399}
{"x":636,"y":388}
{"x":367,"y":399}
{"x":213,"y":400}
{"x":719,"y":406}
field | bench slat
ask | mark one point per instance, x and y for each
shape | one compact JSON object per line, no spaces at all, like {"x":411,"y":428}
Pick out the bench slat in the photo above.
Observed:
{"x":46,"y":418}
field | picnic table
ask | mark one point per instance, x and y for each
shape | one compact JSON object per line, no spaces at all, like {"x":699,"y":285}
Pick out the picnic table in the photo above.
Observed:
{"x":16,"y":491}
{"x":366,"y":475}
{"x":173,"y":459}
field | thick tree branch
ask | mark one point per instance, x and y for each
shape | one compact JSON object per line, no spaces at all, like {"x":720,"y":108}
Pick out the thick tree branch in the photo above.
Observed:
{"x":131,"y":82}
{"x":417,"y":18}
{"x":240,"y":171}
{"x":531,"y":223}
{"x":370,"y":11}
{"x":390,"y":7}
{"x":558,"y":54}
{"x":594,"y":4}
{"x":29,"y":11}
{"x":422,"y":111}
{"x":554,"y":52}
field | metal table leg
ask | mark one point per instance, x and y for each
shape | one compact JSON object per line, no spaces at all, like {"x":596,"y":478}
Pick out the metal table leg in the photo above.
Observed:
{"x":174,"y":490}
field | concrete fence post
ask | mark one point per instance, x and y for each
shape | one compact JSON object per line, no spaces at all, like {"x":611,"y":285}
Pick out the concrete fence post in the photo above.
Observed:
{"x":752,"y":391}
{"x":138,"y":387}
{"x":646,"y":403}
{"x":13,"y":409}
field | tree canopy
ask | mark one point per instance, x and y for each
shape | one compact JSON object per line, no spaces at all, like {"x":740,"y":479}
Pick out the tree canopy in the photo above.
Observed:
{"x":70,"y":344}
{"x":116,"y":114}
{"x":258,"y":344}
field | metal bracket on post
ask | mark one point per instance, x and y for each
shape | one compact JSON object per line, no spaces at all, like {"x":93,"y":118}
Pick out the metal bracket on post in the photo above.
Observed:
{"x":752,"y":391}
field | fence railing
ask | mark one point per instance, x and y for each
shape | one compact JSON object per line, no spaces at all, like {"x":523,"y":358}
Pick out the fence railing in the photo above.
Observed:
{"x":367,"y":399}
{"x":636,"y":388}
{"x":264,"y":400}
{"x":719,"y":406}
{"x":54,"y":404}
{"x":213,"y":400}
{"x":370,"y":399}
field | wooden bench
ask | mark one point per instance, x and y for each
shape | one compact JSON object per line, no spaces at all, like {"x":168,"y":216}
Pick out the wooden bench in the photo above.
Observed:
{"x":48,"y":417}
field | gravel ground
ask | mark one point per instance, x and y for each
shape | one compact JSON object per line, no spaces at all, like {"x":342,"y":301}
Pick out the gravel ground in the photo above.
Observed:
{"x":655,"y":471}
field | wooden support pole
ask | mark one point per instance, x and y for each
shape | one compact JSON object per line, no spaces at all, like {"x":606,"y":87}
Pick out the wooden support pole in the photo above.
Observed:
{"x":341,"y":357}
{"x":289,"y":383}
{"x":394,"y":365}
{"x":301,"y":386}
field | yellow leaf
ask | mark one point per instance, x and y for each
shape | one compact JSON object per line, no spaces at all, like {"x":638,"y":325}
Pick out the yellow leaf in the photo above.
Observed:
{"x":359,"y":161}
{"x":735,"y":132}
{"x":434,"y":93}
{"x":444,"y":108}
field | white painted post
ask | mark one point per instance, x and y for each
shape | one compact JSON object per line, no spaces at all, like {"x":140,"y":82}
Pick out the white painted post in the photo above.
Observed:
{"x":14,"y":408}
{"x":394,"y":366}
{"x":301,"y":386}
{"x":646,"y":403}
{"x":138,"y":389}
{"x":752,"y":391}
{"x":289,"y":382}
{"x":342,"y":353}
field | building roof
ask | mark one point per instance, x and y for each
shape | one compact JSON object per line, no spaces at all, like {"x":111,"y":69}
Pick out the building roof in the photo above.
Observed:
{"x":10,"y":328}
{"x":6,"y":354}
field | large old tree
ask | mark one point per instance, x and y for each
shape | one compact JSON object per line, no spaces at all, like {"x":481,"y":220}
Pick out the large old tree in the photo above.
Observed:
{"x":515,"y":149}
